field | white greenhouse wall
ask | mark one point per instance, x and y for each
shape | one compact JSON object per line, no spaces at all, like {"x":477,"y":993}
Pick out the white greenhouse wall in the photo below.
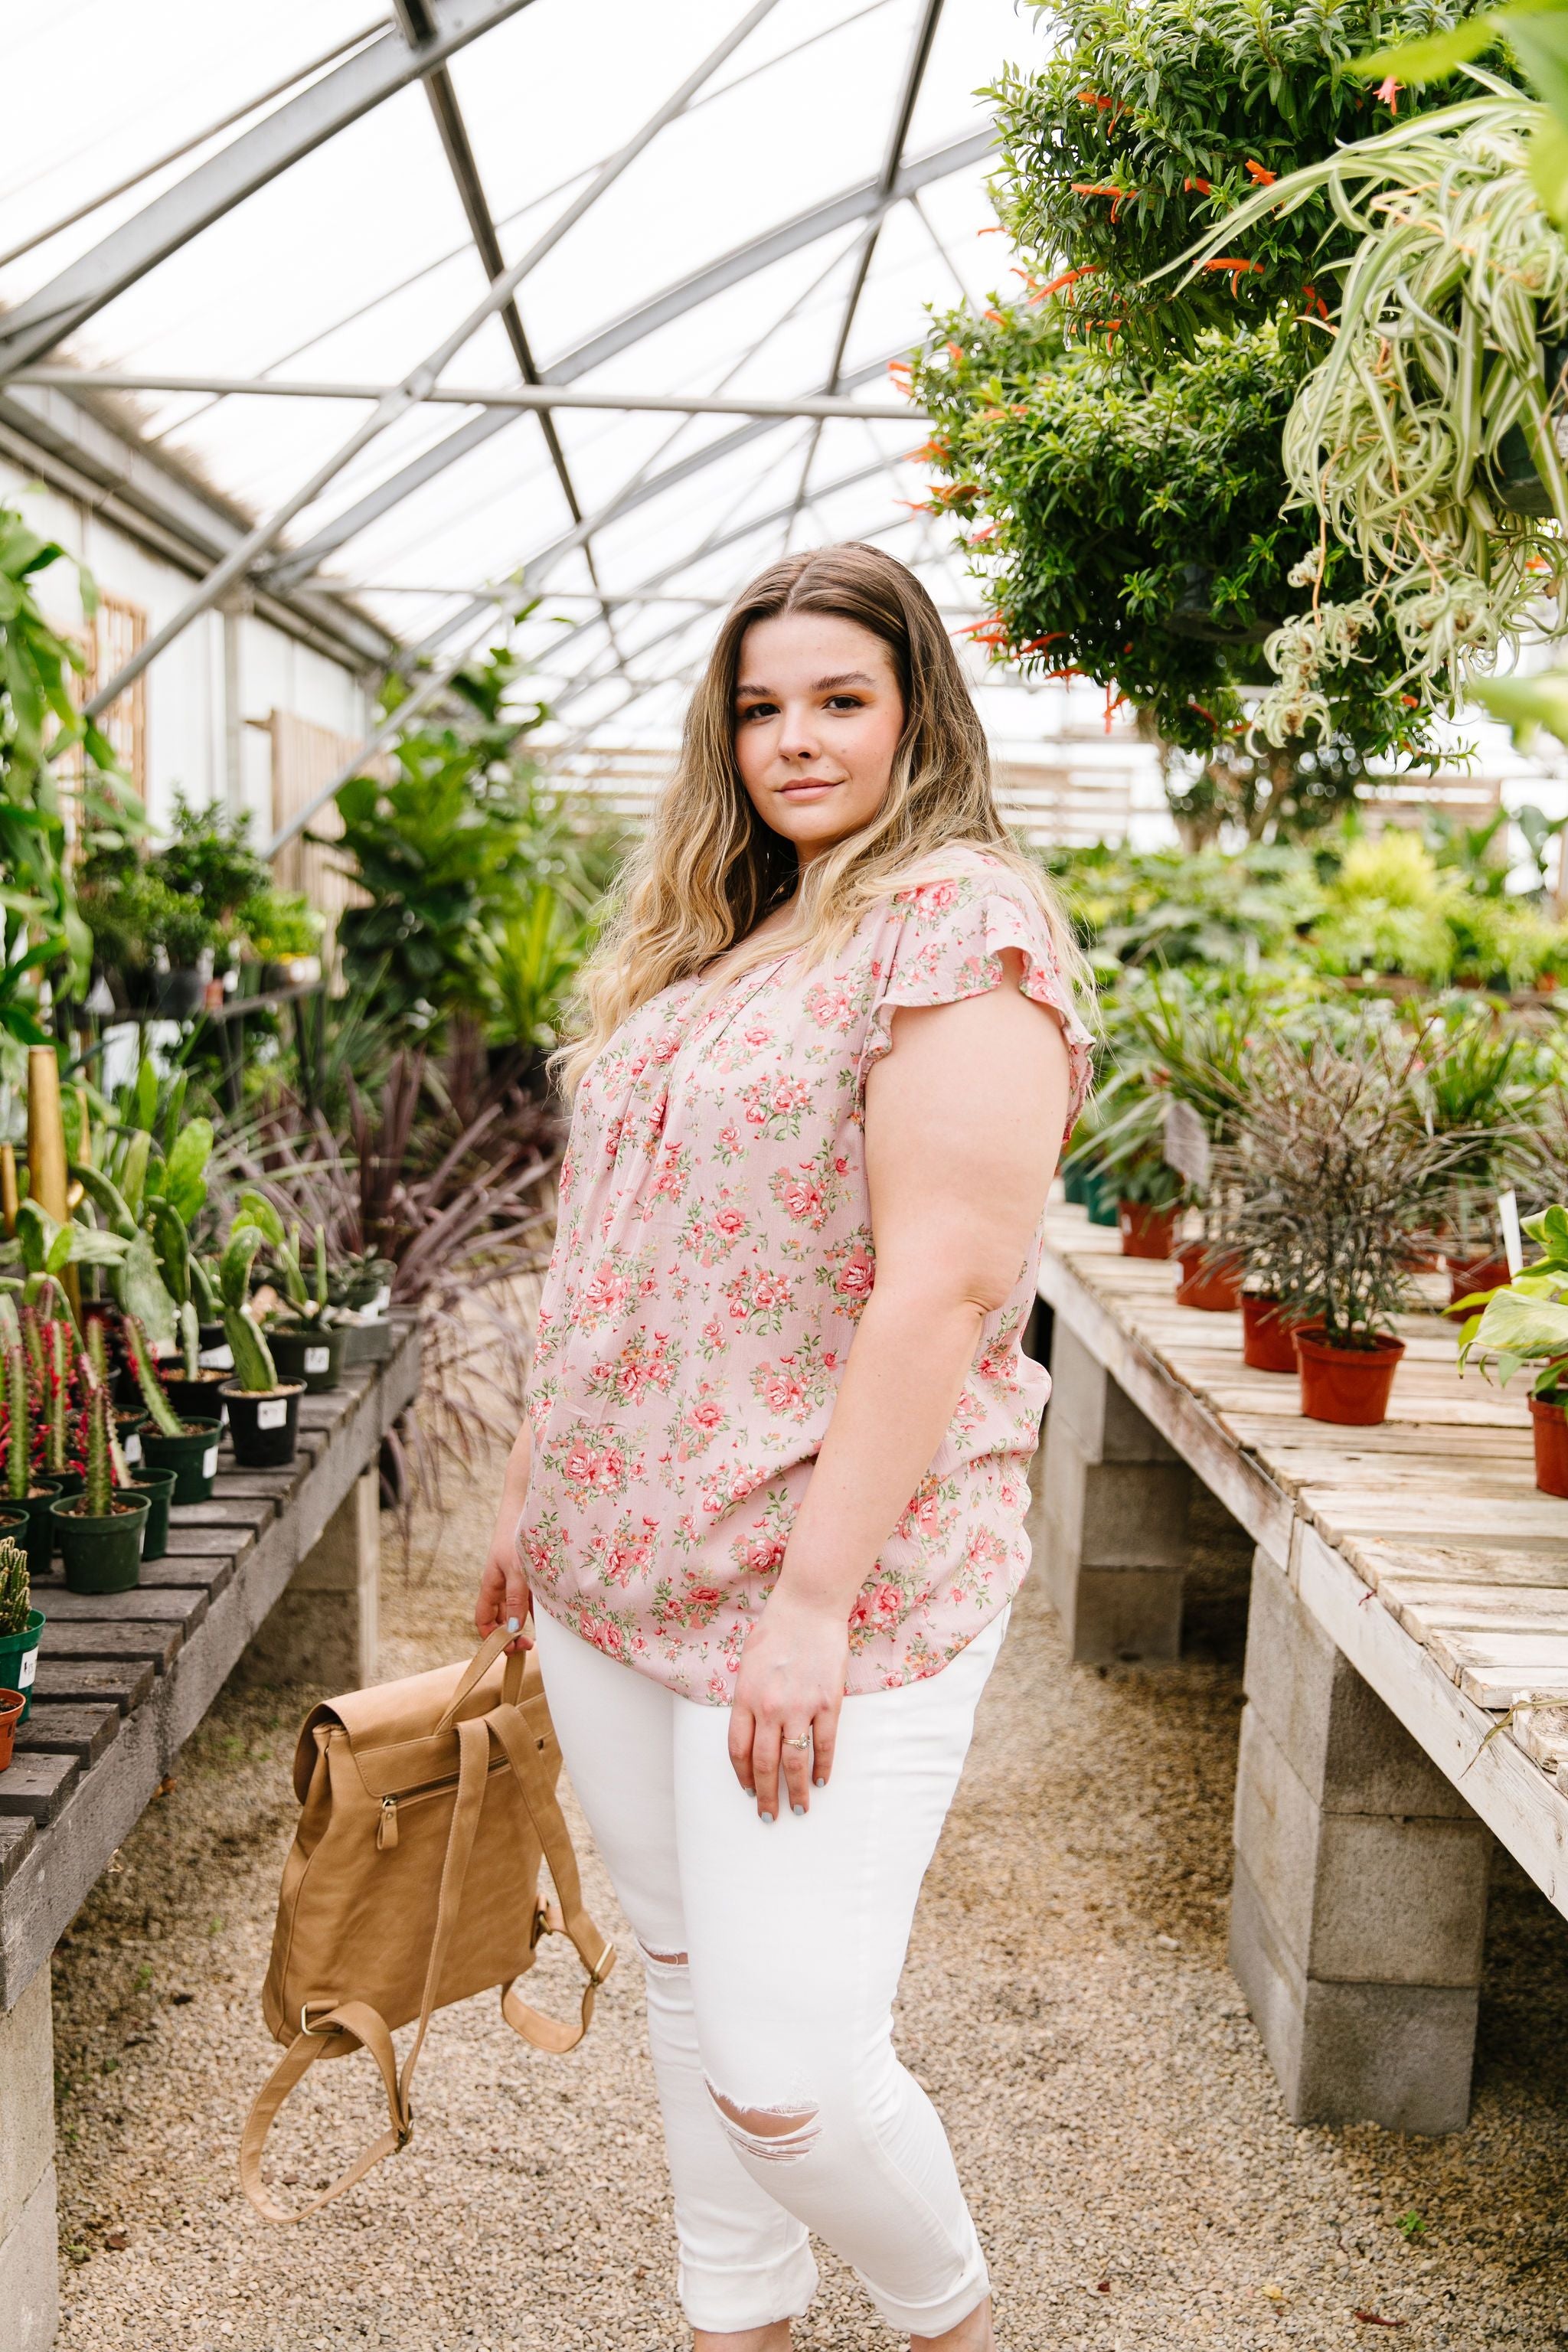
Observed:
{"x":189,"y":728}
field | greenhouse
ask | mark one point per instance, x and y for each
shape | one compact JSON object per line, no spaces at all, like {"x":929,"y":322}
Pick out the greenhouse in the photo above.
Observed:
{"x":784,"y":1175}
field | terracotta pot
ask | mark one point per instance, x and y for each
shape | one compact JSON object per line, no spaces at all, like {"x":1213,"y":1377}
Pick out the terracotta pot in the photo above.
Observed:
{"x":1147,"y":1231}
{"x":1347,"y":1385}
{"x":11,"y":1704}
{"x":1473,"y":1274}
{"x":1549,"y":1423}
{"x":1215,"y":1287}
{"x":1267,"y":1334}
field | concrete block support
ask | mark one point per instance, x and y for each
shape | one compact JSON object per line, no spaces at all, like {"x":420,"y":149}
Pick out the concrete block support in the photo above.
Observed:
{"x":29,"y":2257}
{"x":1361,"y":1883}
{"x":325,"y":1627}
{"x":1111,"y":1516}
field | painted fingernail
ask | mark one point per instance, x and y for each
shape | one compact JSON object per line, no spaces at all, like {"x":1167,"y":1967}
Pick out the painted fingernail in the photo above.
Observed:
{"x":766,"y":1817}
{"x":819,"y":1784}
{"x":797,"y":1809}
{"x":513,"y":1624}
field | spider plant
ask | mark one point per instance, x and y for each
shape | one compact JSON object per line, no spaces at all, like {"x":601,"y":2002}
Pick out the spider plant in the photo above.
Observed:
{"x":1396,"y":444}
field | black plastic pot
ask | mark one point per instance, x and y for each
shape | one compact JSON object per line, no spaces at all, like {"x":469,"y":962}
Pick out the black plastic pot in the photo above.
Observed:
{"x":14,"y":1523}
{"x":264,"y":1425}
{"x":130,"y":1428}
{"x":40,"y":1537}
{"x":181,"y":994}
{"x":158,"y":1486}
{"x":101,"y":1555}
{"x":192,"y":1457}
{"x":196,"y":1400}
{"x":301,"y":1351}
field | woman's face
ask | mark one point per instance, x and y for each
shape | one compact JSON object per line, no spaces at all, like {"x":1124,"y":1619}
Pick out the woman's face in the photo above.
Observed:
{"x":818,"y":716}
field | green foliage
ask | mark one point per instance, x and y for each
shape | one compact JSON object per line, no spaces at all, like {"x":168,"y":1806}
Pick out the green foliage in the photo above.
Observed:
{"x":15,"y":1591}
{"x":1156,"y":117}
{"x":1527,"y":1321}
{"x":153,"y":1395}
{"x":60,"y":1358}
{"x":41,"y":929}
{"x":454,"y":852}
{"x":253,"y":1365}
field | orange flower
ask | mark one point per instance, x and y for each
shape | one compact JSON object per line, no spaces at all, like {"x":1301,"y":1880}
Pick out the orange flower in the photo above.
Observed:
{"x":1201,"y":187}
{"x":1264,"y":178}
{"x":1236,"y":265}
{"x":1388,"y":91}
{"x":1068,"y":277}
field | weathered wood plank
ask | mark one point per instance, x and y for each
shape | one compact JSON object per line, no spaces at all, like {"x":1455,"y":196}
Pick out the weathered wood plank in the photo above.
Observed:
{"x":211,"y":1573}
{"x":37,"y":1785}
{"x":16,"y":1837}
{"x":127,"y":1681}
{"x":226,"y":1511}
{"x":164,"y":1604}
{"x":209,"y":1542}
{"x":81,"y":1731}
{"x":158,"y":1643}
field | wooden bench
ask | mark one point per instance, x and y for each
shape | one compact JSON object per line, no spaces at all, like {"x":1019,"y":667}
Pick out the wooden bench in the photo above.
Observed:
{"x":1408,"y":1584}
{"x":278,"y":1571}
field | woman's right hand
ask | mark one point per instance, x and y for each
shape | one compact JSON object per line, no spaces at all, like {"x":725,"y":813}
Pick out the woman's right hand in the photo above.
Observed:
{"x":504,"y":1598}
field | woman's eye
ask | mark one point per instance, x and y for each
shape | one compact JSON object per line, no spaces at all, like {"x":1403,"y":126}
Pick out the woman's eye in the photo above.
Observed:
{"x":844,"y":702}
{"x":757,"y":710}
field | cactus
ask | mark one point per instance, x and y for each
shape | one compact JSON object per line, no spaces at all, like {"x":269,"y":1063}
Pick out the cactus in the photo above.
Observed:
{"x":33,"y":1340}
{"x":19,"y":1426}
{"x":253,"y":1366}
{"x":15,"y":1592}
{"x":58,"y":1366}
{"x":154,"y":1394}
{"x":97,"y":1495}
{"x":190,"y":1328}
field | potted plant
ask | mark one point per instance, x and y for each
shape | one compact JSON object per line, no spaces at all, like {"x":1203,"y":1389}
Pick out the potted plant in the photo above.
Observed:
{"x":101,"y":1529}
{"x":1526,"y":1322}
{"x":360,"y":1292}
{"x":306,"y":1341}
{"x":21,"y":1625}
{"x":263,"y":1410}
{"x":1327,"y":1175}
{"x":28,"y":1491}
{"x":169,"y":1441}
{"x":13,"y":1708}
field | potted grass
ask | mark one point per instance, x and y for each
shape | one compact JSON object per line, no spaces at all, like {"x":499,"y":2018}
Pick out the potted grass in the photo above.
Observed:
{"x":263,"y":1410}
{"x":1328,"y":1177}
{"x":21,"y":1625}
{"x":1525,"y":1322}
{"x":168,"y":1440}
{"x":101,"y":1529}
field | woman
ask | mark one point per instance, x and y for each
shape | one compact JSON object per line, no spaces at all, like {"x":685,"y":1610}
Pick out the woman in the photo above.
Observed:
{"x":830,"y":1058}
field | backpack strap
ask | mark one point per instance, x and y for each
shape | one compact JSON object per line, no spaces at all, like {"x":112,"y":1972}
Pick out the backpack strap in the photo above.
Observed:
{"x":593,"y":1949}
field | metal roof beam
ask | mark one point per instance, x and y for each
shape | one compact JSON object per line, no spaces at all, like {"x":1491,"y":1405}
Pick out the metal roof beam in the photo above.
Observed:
{"x":429,"y":370}
{"x":247,"y":164}
{"x":518,"y":396}
{"x":743,"y":262}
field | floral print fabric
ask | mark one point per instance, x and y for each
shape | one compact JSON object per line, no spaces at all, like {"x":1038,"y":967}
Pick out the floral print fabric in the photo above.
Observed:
{"x":712,"y":1255}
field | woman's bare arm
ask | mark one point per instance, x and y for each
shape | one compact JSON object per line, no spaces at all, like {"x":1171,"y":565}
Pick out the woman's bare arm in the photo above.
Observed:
{"x":503,"y":1588}
{"x":963,"y":1124}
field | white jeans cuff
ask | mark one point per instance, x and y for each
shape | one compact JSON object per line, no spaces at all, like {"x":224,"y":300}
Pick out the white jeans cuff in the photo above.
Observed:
{"x":727,"y":2302}
{"x":933,"y":2318}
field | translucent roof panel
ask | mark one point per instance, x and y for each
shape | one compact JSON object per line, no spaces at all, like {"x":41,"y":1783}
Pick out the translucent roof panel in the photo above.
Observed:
{"x":780,"y":238}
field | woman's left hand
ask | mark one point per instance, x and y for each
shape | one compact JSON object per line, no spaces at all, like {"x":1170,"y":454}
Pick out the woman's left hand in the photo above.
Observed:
{"x":791,"y":1681}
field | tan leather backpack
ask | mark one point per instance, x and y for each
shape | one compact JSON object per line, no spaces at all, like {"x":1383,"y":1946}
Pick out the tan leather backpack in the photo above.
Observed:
{"x":413,"y":1882}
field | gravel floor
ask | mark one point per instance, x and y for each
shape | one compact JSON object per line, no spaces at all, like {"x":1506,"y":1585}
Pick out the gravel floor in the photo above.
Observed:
{"x":1067,"y":2003}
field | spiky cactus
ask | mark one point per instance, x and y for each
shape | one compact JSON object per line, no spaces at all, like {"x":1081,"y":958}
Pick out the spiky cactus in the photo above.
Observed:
{"x":97,"y":1495}
{"x":15,"y":1592}
{"x":154,"y":1394}
{"x":59,"y":1356}
{"x":253,"y":1365}
{"x":19,"y":1424}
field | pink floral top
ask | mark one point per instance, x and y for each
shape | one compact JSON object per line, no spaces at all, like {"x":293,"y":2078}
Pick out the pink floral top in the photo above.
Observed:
{"x":713,"y":1253}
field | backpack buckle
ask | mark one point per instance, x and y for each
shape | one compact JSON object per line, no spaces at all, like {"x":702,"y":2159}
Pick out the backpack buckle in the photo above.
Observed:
{"x":317,"y":2032}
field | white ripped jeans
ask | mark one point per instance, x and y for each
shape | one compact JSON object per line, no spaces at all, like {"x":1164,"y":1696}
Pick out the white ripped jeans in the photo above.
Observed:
{"x":773,"y":1954}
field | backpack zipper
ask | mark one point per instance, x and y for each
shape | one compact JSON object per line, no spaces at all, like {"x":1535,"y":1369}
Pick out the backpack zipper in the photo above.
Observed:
{"x":386,"y":1825}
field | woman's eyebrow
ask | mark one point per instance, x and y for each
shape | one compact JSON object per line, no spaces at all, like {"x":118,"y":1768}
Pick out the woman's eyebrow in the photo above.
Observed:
{"x":819,"y":686}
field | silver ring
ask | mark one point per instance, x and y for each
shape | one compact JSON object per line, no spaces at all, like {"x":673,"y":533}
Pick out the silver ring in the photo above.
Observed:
{"x":803,"y":1740}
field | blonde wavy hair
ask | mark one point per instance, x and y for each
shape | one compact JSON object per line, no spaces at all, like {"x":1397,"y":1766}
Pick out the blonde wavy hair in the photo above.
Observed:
{"x":709,"y":869}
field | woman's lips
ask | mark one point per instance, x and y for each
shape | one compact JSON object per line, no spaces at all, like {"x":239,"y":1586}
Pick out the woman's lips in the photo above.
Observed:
{"x":810,"y":785}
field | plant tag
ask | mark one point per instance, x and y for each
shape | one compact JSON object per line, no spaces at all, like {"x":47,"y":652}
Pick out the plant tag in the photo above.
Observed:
{"x":209,"y":1462}
{"x":273,"y":1414}
{"x":1512,"y":1239}
{"x":134,"y":1448}
{"x":27,"y":1669}
{"x":317,"y":1358}
{"x":380,"y":1303}
{"x":216,"y":1360}
{"x":1187,"y":1144}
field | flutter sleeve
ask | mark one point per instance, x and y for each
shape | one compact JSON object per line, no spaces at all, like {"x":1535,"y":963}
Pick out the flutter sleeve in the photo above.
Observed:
{"x":945,"y":940}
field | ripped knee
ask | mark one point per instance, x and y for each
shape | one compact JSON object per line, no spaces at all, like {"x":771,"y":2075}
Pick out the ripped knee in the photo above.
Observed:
{"x":770,"y":2135}
{"x":662,"y":1961}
